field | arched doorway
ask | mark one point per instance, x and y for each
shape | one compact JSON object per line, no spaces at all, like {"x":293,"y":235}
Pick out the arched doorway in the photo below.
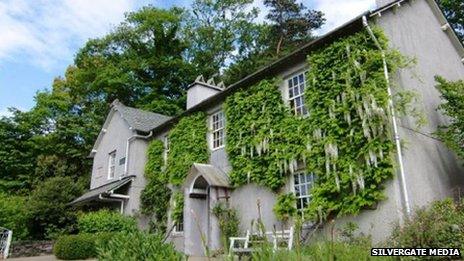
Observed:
{"x":202,"y":188}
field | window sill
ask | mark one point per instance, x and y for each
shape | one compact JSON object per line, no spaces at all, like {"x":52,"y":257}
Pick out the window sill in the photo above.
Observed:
{"x":218,"y":148}
{"x":177,"y":233}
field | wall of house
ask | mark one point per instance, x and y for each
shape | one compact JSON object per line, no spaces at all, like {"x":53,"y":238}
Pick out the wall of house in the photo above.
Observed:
{"x":198,"y":93}
{"x":432,"y":171}
{"x":136,"y":166}
{"x":115,"y":138}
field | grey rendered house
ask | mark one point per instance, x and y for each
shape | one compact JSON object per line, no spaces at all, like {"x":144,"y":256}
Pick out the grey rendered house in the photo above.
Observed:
{"x":428,"y":172}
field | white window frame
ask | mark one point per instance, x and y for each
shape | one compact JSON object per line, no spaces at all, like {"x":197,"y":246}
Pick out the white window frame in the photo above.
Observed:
{"x":298,"y":110}
{"x":111,"y":164}
{"x":217,"y":130}
{"x":305,"y":199}
{"x":179,"y":227}
{"x":166,"y":146}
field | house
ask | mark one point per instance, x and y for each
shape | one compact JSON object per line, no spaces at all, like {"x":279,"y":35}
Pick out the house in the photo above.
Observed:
{"x":119,"y":159}
{"x":426,"y":170}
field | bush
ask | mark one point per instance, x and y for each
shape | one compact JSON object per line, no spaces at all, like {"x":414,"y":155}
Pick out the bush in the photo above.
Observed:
{"x":441,"y":225}
{"x":137,"y":246}
{"x":14,"y":215}
{"x":49,"y":210}
{"x":74,"y":247}
{"x":105,"y":221}
{"x":81,"y":246}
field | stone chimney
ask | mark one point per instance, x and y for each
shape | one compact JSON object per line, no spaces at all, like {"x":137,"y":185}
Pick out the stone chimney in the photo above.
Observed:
{"x":201,"y":90}
{"x":380,"y":3}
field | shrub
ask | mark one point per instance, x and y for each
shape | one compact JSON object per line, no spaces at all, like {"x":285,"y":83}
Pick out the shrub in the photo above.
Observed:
{"x":81,"y":246}
{"x":441,"y":225}
{"x":285,"y":206}
{"x":49,"y":209}
{"x":72,"y":247}
{"x":105,"y":221}
{"x":14,"y":215}
{"x":137,"y":246}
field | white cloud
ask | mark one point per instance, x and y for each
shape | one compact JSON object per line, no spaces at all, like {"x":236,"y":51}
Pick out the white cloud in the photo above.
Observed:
{"x":45,"y":32}
{"x":339,"y":12}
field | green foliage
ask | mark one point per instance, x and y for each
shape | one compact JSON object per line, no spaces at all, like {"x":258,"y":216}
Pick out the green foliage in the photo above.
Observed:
{"x":260,"y":130}
{"x":178,"y":207}
{"x":81,"y":246}
{"x":137,"y":246}
{"x":452,"y":94}
{"x":284,"y":208}
{"x":454,"y":12}
{"x":14,"y":215}
{"x":228,"y":221}
{"x":187,"y":145}
{"x":155,"y":196}
{"x":347,"y":133}
{"x":441,"y":226}
{"x":105,"y":221}
{"x":290,"y":25}
{"x":349,"y":124}
{"x":48,"y":207}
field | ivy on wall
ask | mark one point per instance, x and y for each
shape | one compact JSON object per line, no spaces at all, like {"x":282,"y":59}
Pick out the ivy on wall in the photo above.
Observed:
{"x":345,"y":139}
{"x":155,"y":196}
{"x":263,"y":138}
{"x":178,"y":207}
{"x":187,"y":145}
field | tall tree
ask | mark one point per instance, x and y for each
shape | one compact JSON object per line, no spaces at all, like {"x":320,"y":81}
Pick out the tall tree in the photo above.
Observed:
{"x":142,"y":63}
{"x":220,"y":31}
{"x":288,"y":25}
{"x":454,"y":12}
{"x":292,"y":23}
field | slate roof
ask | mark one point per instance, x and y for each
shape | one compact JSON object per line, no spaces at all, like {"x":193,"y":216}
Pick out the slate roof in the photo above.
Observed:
{"x":103,"y":190}
{"x":139,"y":119}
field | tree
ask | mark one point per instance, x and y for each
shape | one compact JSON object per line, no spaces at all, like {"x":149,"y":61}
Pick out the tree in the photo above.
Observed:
{"x":290,"y":25}
{"x":48,"y":207}
{"x":452,"y":94}
{"x":142,"y":63}
{"x":220,"y":32}
{"x":454,"y":12}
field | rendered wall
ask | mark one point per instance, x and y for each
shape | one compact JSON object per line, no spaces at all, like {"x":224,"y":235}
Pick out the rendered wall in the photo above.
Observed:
{"x":115,"y":138}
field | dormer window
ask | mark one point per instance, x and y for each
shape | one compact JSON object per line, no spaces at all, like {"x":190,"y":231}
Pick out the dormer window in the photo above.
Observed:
{"x":296,"y":87}
{"x":218,"y":130}
{"x":111,"y":164}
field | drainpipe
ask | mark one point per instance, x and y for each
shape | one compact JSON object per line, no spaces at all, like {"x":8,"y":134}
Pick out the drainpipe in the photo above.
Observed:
{"x":126,"y":165}
{"x":402,"y":176}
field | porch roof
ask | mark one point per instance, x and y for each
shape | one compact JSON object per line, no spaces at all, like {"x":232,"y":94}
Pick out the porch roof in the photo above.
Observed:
{"x":214,"y":176}
{"x":103,"y":190}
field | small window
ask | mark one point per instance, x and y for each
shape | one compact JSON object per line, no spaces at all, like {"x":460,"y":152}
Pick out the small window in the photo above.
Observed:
{"x":179,"y":225}
{"x":111,"y":164}
{"x":296,"y":87}
{"x":166,"y":149}
{"x":303,"y":183}
{"x":122,"y":161}
{"x":218,"y":125}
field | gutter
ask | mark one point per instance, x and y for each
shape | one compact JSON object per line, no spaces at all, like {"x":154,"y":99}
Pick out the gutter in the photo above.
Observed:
{"x":129,"y":140}
{"x":402,"y":176}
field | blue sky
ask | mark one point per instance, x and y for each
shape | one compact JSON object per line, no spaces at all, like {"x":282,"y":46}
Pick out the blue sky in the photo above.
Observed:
{"x":40,"y":37}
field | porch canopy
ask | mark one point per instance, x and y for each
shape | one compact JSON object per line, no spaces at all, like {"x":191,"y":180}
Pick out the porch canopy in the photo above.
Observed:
{"x":202,"y":176}
{"x":102,"y":192}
